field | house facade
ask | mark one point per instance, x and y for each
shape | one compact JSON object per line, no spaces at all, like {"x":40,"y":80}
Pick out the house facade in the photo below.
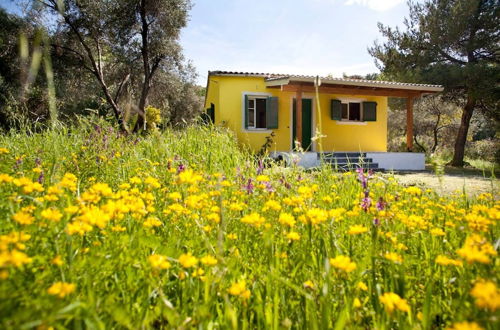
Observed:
{"x":351,"y":114}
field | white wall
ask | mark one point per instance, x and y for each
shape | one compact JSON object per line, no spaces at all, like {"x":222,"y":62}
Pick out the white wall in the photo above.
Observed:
{"x":399,"y":161}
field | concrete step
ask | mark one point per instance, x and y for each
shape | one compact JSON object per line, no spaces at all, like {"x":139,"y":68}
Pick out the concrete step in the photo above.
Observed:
{"x":353,"y":167}
{"x":353,"y":160}
{"x":342,"y":154}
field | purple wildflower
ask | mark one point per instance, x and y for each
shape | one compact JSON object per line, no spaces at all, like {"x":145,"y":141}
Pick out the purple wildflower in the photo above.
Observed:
{"x":260,"y":167}
{"x":376,"y":222}
{"x":41,"y":177}
{"x":366,"y":203}
{"x":269,"y":187}
{"x":381,"y":204}
{"x":180,"y":168}
{"x":249,"y":186}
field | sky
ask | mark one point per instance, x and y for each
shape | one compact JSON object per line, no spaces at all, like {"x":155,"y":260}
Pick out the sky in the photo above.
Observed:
{"x":313,"y":37}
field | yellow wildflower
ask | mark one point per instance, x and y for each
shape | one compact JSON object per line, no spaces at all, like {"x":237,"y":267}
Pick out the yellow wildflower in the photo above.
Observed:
{"x":343,"y":263}
{"x":487,"y":295}
{"x":239,"y":289}
{"x":176,"y":196}
{"x":262,"y":178}
{"x":190,"y":177}
{"x":394,"y":257}
{"x":51,"y":214}
{"x":253,"y":219}
{"x":476,"y":249}
{"x":437,"y":232}
{"x":23,"y":218}
{"x":208,"y":260}
{"x":5,"y":178}
{"x":465,"y":326}
{"x":392,"y":301}
{"x":151,"y":222}
{"x":293,"y":236}
{"x":57,"y":261}
{"x":271,"y":205}
{"x":61,"y":289}
{"x":308,"y":284}
{"x":316,"y":216}
{"x":357,"y":229}
{"x":187,"y":260}
{"x":158,"y":261}
{"x":445,"y":261}
{"x":362,"y":286}
{"x":286,"y":219}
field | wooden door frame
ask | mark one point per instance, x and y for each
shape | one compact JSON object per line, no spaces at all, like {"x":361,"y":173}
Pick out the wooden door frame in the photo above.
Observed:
{"x":313,"y":119}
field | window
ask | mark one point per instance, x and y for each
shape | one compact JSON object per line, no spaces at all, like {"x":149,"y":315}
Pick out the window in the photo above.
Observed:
{"x":261,"y":112}
{"x":351,"y":111}
{"x":256,"y":112}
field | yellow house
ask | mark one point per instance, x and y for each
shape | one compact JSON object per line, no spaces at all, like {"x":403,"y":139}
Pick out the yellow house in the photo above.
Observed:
{"x":351,"y":114}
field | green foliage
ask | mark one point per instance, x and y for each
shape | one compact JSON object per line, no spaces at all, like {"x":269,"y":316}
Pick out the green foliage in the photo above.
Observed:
{"x":453,"y":43}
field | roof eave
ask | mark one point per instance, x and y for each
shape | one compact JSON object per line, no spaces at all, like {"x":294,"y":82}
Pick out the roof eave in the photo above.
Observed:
{"x":374,"y":84}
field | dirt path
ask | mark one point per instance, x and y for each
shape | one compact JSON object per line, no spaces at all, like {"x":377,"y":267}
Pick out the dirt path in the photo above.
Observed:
{"x":454,"y":180}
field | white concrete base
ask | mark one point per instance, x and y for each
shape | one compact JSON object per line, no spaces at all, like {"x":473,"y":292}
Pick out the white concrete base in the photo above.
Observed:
{"x":306,"y":159}
{"x":398,"y":161}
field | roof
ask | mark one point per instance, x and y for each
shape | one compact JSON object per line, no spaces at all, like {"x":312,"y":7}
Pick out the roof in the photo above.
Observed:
{"x":276,"y":79}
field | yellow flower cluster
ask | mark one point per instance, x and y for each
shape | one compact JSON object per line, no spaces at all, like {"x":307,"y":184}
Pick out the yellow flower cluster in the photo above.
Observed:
{"x":392,"y":301}
{"x":477,"y":249}
{"x":61,"y":289}
{"x":445,"y":261}
{"x":187,"y":260}
{"x":10,"y":246}
{"x":357,"y":229}
{"x":343,"y":263}
{"x":487,"y":295}
{"x":158,"y":261}
{"x":253,"y":219}
{"x":239,"y":289}
{"x":465,"y":326}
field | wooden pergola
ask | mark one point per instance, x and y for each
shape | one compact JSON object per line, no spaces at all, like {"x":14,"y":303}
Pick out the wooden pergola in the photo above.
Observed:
{"x":300,"y":85}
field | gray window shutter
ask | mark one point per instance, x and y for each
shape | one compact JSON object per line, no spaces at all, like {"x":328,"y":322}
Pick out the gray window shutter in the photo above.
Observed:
{"x":336,"y":110}
{"x":272,"y":112}
{"x":369,"y":111}
{"x":246,"y":111}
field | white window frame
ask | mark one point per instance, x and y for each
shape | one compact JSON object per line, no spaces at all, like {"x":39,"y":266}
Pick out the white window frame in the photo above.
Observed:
{"x":343,"y":121}
{"x":253,"y":95}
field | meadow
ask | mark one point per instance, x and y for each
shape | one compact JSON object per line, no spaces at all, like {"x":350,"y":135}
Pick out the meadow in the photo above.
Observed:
{"x":184,"y":229}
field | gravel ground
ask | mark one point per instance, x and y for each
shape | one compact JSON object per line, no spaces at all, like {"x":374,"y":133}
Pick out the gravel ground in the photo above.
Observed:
{"x":474,"y":182}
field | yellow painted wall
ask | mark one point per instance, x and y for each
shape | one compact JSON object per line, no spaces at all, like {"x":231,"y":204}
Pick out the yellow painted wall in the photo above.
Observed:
{"x":227,"y":93}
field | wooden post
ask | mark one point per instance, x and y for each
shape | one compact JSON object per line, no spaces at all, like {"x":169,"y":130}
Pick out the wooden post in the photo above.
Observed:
{"x":298,"y":115}
{"x":409,"y":123}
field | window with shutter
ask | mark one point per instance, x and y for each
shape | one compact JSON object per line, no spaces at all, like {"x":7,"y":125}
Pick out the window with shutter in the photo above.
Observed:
{"x":261,"y":112}
{"x":370,"y":111}
{"x":272,"y":112}
{"x":336,"y":110}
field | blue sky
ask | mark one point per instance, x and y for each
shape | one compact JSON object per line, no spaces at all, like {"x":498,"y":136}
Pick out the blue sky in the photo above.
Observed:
{"x":315,"y":37}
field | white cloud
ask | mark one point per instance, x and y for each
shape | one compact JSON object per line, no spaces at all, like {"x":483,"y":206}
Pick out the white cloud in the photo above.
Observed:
{"x":378,"y":5}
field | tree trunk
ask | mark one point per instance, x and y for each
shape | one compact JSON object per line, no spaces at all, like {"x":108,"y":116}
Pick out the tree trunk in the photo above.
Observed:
{"x":435,"y":134}
{"x":141,"y":115}
{"x":458,"y":155}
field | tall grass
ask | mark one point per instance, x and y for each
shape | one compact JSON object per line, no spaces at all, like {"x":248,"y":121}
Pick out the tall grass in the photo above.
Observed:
{"x":182,"y":229}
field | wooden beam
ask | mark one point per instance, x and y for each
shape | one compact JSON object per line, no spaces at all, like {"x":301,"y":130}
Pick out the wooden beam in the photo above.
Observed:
{"x":298,"y":115}
{"x":409,"y":123}
{"x":354,"y":91}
